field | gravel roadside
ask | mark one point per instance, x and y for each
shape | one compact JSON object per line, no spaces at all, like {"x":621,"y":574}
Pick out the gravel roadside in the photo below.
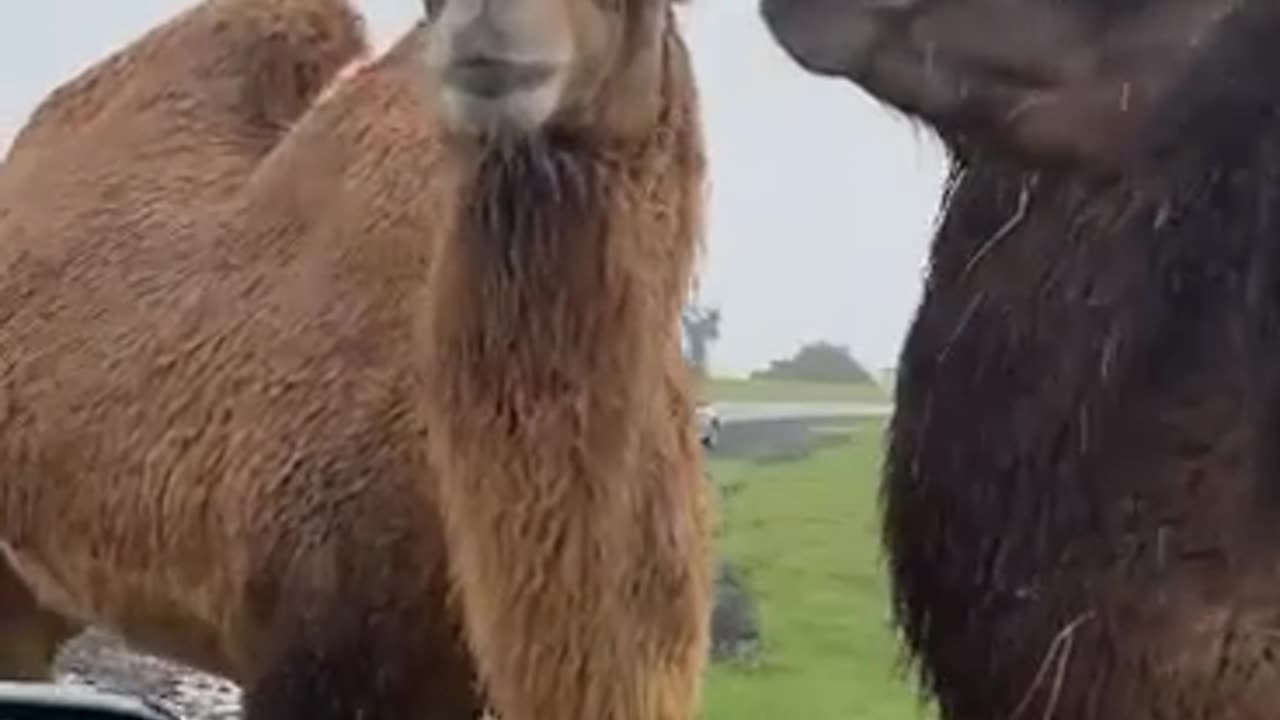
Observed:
{"x":102,"y":662}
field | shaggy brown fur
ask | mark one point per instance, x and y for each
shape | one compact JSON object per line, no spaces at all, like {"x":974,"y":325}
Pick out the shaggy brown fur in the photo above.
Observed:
{"x":269,"y":435}
{"x":177,"y":119}
{"x":1080,"y":486}
{"x":544,"y":407}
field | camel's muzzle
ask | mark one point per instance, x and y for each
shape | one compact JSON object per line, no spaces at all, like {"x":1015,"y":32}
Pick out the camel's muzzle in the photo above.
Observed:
{"x":492,"y":78}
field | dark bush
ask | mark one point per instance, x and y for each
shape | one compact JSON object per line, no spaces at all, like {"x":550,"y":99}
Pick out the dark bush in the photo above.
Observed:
{"x":817,"y":362}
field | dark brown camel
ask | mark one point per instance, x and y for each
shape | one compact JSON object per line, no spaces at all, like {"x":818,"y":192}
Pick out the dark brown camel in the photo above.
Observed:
{"x":1080,"y":494}
{"x":379,"y":410}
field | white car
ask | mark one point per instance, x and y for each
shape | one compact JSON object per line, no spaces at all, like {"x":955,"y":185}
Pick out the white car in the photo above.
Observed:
{"x":56,"y":701}
{"x":708,"y":425}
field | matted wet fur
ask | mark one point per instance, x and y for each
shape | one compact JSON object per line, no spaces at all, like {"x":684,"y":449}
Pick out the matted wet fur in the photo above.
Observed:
{"x":1079,"y":500}
{"x":211,"y":91}
{"x":1079,"y":493}
{"x":549,"y":411}
{"x":542,"y":405}
{"x":394,"y":387}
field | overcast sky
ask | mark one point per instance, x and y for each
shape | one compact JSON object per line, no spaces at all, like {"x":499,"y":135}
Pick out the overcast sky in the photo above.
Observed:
{"x":822,"y":202}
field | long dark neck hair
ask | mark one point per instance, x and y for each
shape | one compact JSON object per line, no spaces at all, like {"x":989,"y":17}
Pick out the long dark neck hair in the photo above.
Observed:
{"x":1068,"y":321}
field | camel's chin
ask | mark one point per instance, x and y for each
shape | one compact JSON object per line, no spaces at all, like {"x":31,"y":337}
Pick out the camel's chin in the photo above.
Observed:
{"x":825,"y":39}
{"x":522,"y":112}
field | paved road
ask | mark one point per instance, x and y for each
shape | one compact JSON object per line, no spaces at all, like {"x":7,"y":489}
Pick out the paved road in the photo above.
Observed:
{"x":732,"y":412}
{"x":752,"y":430}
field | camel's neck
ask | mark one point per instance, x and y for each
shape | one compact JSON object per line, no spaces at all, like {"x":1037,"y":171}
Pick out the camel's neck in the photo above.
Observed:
{"x":558,"y":289}
{"x":552,"y":283}
{"x":563,"y":447}
{"x":1073,"y":340}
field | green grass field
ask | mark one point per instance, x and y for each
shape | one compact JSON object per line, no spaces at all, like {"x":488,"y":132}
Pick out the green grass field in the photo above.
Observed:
{"x":805,"y":534}
{"x":737,"y":390}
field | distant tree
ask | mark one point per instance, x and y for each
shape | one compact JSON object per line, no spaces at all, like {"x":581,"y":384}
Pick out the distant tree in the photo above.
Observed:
{"x":817,"y":362}
{"x":701,"y":327}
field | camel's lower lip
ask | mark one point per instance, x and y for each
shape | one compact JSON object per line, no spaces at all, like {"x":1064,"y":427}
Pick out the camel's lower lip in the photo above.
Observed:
{"x":490,"y":78}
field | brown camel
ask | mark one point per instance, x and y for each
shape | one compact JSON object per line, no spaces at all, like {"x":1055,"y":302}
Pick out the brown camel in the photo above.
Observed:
{"x":1080,"y":493}
{"x":406,"y":410}
{"x":177,"y":120}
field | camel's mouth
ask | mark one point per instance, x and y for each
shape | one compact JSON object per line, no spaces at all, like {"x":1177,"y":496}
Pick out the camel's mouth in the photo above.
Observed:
{"x":492,"y":78}
{"x":492,"y":96}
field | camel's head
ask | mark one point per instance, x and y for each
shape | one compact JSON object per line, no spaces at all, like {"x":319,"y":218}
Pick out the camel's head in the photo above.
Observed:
{"x":1080,"y":80}
{"x":519,"y":66}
